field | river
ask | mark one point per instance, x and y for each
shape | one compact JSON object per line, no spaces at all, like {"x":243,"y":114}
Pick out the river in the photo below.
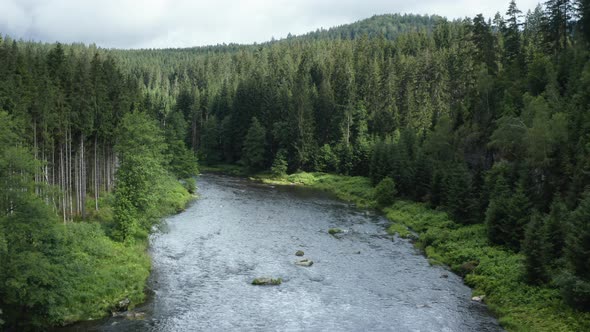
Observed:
{"x":205,"y":259}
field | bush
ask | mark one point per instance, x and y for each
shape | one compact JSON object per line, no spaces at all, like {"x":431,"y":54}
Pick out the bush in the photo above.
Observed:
{"x":385,"y":192}
{"x":190,"y":184}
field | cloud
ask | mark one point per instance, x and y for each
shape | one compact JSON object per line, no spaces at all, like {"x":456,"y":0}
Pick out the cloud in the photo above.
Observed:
{"x":184,"y":23}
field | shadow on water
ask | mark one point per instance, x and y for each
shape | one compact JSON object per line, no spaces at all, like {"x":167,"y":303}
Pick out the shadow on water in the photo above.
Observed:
{"x":205,"y":258}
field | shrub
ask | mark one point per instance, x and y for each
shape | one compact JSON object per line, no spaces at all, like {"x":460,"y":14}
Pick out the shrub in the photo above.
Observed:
{"x":385,"y":192}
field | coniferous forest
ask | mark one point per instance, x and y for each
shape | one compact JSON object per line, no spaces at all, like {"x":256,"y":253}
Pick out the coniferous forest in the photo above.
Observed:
{"x":485,"y":119}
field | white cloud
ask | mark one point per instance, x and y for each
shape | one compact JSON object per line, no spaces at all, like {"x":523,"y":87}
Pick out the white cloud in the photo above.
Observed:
{"x":183,"y":23}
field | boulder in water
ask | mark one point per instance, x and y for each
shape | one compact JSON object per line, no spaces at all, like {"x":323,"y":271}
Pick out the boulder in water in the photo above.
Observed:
{"x":304,"y":262}
{"x":334,"y":231}
{"x":479,"y":299}
{"x":123,"y":304}
{"x":267,"y":281}
{"x":299,"y":253}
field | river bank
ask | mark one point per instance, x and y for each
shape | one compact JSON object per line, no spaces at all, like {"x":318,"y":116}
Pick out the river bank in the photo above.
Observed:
{"x":80,"y":272}
{"x":491,"y":271}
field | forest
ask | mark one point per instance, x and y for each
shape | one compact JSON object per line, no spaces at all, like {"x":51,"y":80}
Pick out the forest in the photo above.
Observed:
{"x":485,"y":119}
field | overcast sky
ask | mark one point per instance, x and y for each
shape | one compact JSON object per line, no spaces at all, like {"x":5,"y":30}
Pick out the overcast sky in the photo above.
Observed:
{"x":184,"y":23}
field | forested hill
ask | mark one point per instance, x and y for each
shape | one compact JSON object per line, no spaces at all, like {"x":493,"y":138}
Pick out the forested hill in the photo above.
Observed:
{"x":485,"y":119}
{"x":389,"y":26}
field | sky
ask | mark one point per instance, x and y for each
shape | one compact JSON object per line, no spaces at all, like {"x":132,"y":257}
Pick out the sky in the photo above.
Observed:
{"x":186,"y":23}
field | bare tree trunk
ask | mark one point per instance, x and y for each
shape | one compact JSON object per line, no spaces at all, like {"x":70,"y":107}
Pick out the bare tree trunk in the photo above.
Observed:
{"x":62,"y":182}
{"x":82,"y":179}
{"x":96,"y":188}
{"x":70,"y":182}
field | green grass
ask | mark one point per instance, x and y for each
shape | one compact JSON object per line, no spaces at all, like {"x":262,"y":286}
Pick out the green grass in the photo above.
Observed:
{"x":89,"y":271}
{"x":100,"y":271}
{"x":355,"y":189}
{"x":490,"y":270}
{"x":97,"y":273}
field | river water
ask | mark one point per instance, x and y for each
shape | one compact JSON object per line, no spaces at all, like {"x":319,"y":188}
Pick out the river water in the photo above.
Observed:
{"x":205,"y":259}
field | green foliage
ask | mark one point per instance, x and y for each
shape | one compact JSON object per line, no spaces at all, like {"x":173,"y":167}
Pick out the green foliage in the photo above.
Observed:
{"x":506,"y":217}
{"x":190,"y":184}
{"x":399,"y":229}
{"x":140,"y":147}
{"x":279,"y":164}
{"x":575,"y":283}
{"x":535,"y":250}
{"x":253,"y":154}
{"x":63,"y":273}
{"x":385,"y":192}
{"x":210,"y":141}
{"x":327,"y":160}
{"x":458,"y":198}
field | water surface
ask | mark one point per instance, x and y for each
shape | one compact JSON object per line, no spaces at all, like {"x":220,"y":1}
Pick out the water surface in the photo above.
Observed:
{"x":205,"y":258}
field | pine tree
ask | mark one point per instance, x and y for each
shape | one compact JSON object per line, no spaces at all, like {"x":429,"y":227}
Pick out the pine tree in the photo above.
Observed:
{"x":254,"y":151}
{"x":559,"y":13}
{"x":512,"y":33}
{"x":535,"y":250}
{"x":279,"y":164}
{"x":575,"y":283}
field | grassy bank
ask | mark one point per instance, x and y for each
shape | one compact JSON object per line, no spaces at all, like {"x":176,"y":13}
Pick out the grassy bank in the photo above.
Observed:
{"x":63,"y":273}
{"x":490,"y":270}
{"x":115,"y":270}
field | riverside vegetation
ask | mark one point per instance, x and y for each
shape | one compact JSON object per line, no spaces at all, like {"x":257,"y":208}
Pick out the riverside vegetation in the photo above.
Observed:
{"x":490,"y":270}
{"x":482,"y":122}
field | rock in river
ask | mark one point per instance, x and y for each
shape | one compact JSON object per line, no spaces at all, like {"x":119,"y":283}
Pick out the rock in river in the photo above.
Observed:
{"x":267,"y":281}
{"x":304,"y":262}
{"x":299,"y":253}
{"x":478,"y":298}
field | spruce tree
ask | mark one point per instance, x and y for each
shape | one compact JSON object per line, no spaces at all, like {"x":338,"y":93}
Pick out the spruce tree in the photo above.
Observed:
{"x":535,"y":250}
{"x":253,"y":153}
